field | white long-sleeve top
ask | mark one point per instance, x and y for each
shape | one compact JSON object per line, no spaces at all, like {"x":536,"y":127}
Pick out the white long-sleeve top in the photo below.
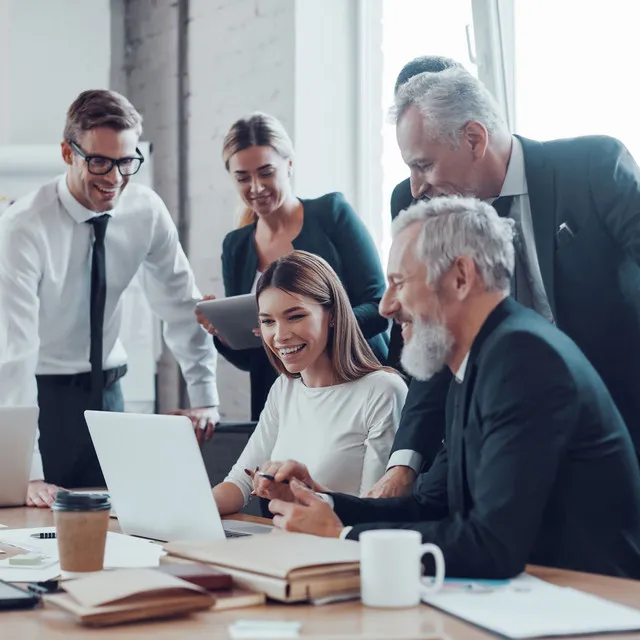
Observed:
{"x":342,"y":433}
{"x":45,"y":286}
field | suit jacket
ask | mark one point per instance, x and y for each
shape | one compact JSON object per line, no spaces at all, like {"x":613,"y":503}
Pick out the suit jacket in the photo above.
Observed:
{"x":538,"y":466}
{"x":590,"y":268}
{"x":332,"y":230}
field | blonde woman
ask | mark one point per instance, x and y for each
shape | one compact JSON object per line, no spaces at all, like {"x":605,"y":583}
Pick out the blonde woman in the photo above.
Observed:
{"x":333,"y":407}
{"x":258,"y":154}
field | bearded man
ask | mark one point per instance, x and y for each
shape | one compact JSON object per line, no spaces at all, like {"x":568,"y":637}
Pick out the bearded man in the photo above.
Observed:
{"x":537,"y":466}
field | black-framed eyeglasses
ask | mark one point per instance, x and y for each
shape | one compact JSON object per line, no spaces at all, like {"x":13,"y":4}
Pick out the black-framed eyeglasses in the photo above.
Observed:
{"x":101,"y":165}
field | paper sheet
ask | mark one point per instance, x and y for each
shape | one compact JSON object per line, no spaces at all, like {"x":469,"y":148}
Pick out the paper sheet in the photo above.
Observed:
{"x":121,"y":552}
{"x":20,"y":574}
{"x":530,"y":608}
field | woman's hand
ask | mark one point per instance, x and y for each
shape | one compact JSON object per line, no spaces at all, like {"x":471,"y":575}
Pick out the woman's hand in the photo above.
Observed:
{"x":283,"y":473}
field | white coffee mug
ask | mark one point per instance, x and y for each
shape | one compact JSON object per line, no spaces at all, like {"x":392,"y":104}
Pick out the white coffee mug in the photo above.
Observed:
{"x":391,"y":568}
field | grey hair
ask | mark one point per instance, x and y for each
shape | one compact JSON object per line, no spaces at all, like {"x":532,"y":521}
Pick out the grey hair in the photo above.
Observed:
{"x":448,"y":100}
{"x":453,"y":226}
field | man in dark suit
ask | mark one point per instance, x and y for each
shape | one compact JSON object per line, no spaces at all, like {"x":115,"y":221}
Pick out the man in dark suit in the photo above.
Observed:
{"x":538,"y":466}
{"x":401,"y":196}
{"x":576,"y":204}
{"x":404,"y":455}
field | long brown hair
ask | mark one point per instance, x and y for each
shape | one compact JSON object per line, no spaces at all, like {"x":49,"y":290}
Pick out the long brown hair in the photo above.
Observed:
{"x":256,"y":130}
{"x":306,"y":274}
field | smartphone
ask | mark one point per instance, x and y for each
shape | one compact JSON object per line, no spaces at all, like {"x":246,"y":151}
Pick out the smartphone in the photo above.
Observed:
{"x":12,"y":597}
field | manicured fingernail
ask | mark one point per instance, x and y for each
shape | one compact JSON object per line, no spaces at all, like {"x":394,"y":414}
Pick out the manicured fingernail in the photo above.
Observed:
{"x":247,"y":472}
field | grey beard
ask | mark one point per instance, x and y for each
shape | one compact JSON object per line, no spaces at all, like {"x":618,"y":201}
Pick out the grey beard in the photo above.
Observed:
{"x":427,"y":351}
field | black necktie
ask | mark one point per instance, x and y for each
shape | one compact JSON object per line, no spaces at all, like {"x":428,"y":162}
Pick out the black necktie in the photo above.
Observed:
{"x":503,"y":206}
{"x":98,"y":299}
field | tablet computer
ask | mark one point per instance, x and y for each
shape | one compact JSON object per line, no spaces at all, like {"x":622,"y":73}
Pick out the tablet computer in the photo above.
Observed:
{"x":234,"y":319}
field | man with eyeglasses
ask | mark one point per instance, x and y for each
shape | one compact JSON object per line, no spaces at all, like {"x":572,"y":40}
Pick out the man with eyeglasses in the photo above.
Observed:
{"x":67,"y":253}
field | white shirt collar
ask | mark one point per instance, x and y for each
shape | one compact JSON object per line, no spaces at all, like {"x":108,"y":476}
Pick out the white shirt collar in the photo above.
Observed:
{"x":77,"y":211}
{"x":462,"y":369}
{"x":515,"y":182}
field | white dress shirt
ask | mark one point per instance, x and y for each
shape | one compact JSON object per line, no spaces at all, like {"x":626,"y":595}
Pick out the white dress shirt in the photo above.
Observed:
{"x":45,"y":284}
{"x":462,"y":370}
{"x":515,"y":184}
{"x":342,"y":433}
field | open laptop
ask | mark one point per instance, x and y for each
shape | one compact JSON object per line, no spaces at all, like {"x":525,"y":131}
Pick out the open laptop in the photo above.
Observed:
{"x":18,"y":427}
{"x":156,"y":478}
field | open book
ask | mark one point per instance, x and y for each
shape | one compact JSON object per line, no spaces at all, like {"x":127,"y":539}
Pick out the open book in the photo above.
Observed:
{"x":113,"y":597}
{"x":290,"y":567}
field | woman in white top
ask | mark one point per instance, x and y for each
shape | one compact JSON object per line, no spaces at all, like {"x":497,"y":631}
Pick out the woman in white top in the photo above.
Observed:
{"x":334,"y":407}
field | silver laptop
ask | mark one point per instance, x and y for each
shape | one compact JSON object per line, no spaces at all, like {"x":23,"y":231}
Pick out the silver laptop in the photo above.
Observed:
{"x":156,"y":478}
{"x":18,"y":427}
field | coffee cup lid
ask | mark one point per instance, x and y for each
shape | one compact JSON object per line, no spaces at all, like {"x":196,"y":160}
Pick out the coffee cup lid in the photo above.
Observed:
{"x":69,"y":501}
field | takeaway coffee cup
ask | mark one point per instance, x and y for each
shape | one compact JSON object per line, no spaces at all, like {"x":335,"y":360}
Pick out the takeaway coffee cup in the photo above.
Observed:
{"x":390,"y":568}
{"x":81,"y":522}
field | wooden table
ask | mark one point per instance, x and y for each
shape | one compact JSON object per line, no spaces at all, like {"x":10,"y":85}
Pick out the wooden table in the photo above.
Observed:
{"x":333,"y":622}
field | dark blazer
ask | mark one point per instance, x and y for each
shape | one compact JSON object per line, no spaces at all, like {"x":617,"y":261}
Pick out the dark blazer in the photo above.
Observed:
{"x":538,"y":466}
{"x":401,"y":198}
{"x":332,"y":230}
{"x":590,"y":270}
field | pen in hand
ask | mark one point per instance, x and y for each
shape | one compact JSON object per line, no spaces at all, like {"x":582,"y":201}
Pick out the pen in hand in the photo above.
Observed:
{"x":269,"y":476}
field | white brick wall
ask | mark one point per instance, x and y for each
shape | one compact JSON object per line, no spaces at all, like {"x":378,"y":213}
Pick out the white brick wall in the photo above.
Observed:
{"x":151,"y":75}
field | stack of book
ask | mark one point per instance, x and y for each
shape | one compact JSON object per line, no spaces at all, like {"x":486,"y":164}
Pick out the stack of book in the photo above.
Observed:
{"x":125,"y":595}
{"x":290,"y":567}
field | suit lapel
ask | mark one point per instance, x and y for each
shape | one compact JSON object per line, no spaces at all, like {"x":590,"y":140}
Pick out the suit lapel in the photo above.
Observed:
{"x":250,"y":263}
{"x":457,"y":485}
{"x":542,"y":198}
{"x":460,"y":401}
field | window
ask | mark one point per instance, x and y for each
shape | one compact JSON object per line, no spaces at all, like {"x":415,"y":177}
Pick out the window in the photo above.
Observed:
{"x":575,"y":69}
{"x":412,"y":28}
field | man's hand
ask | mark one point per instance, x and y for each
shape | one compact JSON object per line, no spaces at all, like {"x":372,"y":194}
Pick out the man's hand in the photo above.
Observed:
{"x":206,"y":324}
{"x":277,"y":489}
{"x":397,"y":482}
{"x":202,"y":320}
{"x":203,"y":419}
{"x":41,"y":494}
{"x":310,"y":514}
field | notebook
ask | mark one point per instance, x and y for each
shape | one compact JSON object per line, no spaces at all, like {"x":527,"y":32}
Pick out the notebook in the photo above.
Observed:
{"x":114,"y":597}
{"x":227,"y":595}
{"x":290,"y":567}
